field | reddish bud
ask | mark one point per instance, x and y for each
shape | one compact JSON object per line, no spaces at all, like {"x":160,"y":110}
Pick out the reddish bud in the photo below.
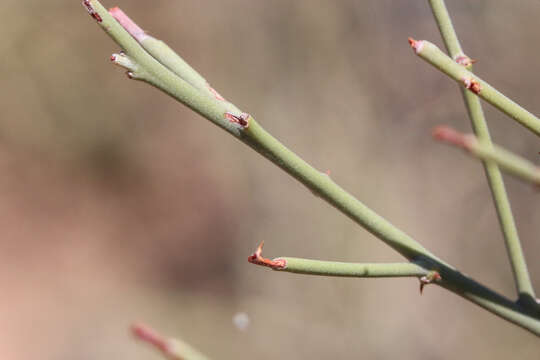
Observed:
{"x":465,"y":60}
{"x":473,"y":85}
{"x":417,"y":45}
{"x":93,"y":13}
{"x":241,"y":119}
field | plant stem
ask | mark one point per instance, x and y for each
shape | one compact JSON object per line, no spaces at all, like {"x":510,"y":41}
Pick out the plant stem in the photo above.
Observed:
{"x":493,"y":174}
{"x":362,"y":270}
{"x":512,"y":163}
{"x":144,"y":67}
{"x":335,"y":268}
{"x":172,"y":349}
{"x":433,"y":55}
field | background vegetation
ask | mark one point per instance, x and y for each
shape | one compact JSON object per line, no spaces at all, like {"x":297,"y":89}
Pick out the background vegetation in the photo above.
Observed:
{"x":118,"y":204}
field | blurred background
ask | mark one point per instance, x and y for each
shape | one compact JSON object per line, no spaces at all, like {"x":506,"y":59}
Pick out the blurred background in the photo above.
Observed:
{"x":119,"y":205}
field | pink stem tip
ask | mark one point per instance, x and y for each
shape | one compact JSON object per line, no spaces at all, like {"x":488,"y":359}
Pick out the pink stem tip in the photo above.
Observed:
{"x":451,"y":136}
{"x":129,"y":25}
{"x":150,"y":336}
{"x":417,"y":45}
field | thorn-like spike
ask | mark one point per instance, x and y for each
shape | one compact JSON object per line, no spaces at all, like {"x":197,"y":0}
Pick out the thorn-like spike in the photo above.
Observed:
{"x":257,"y":259}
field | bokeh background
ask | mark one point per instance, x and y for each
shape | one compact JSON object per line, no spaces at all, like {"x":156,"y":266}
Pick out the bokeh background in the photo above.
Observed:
{"x":118,"y":204}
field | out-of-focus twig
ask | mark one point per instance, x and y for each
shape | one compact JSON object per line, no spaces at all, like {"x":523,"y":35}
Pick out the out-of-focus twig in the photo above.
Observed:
{"x":143,"y":66}
{"x":172,"y":349}
{"x":512,"y":163}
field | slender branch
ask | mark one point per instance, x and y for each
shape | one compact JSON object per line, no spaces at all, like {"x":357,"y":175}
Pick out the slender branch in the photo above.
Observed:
{"x":433,"y":55}
{"x":171,"y":349}
{"x":335,"y":268}
{"x":493,"y":174}
{"x":246,"y":129}
{"x":508,"y":161}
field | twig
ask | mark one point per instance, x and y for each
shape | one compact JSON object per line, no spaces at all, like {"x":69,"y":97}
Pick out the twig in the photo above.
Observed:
{"x":345,"y":269}
{"x":433,"y":55}
{"x":496,"y":184}
{"x":245,"y":128}
{"x":172,"y":349}
{"x":512,"y":163}
{"x":335,"y":268}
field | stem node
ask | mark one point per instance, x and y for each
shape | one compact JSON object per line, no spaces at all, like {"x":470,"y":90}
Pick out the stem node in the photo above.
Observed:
{"x":242,"y":119}
{"x":472,"y":84}
{"x":464,"y":60}
{"x":432,"y":276}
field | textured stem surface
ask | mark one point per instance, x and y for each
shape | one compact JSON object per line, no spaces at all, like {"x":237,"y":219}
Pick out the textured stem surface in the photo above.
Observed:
{"x":493,"y":174}
{"x":362,"y":270}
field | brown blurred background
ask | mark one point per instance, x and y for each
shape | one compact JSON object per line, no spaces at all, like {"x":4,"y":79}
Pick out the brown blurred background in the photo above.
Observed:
{"x":119,"y":204}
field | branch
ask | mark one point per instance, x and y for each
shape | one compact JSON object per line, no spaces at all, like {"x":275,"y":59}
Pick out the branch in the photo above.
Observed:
{"x":246,"y":129}
{"x":172,"y":349}
{"x":433,"y":55}
{"x":496,"y":184}
{"x":334,"y":268}
{"x":512,"y":163}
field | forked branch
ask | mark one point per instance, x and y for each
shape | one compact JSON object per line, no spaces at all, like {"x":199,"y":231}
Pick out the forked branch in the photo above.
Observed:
{"x":244,"y":127}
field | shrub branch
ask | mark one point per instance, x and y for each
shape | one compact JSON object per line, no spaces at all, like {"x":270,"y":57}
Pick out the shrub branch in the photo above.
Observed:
{"x":246,"y":129}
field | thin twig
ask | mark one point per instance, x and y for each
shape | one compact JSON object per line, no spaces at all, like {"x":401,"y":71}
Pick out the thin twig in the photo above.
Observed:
{"x":502,"y":204}
{"x":433,"y":55}
{"x":336,"y":268}
{"x":171,"y":349}
{"x":512,"y":163}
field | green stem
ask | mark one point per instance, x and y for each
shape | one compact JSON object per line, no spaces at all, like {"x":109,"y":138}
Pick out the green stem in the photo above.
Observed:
{"x":490,"y":153}
{"x":515,"y":165}
{"x":323,"y":186}
{"x":433,"y":55}
{"x":493,"y":174}
{"x":160,"y":51}
{"x":250,"y":132}
{"x":362,"y":270}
